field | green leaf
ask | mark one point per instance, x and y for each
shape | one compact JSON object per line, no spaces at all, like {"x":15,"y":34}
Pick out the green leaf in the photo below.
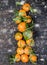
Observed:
{"x":34,"y":63}
{"x":30,"y":28}
{"x":11,"y":59}
{"x":14,"y":19}
{"x":31,"y":24}
{"x":31,"y":9}
{"x":18,"y":3}
{"x":25,"y":18}
{"x":27,"y":34}
{"x":17,"y":18}
{"x":27,"y":25}
{"x":16,"y":13}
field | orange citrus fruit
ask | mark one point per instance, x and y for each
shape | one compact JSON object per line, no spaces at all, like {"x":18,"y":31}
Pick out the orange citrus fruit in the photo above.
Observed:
{"x":27,"y":50}
{"x":22,"y":27}
{"x":20,"y":50}
{"x":33,"y":58}
{"x":30,"y":42}
{"x":26,"y":7}
{"x":21,"y":43}
{"x":28,"y":20}
{"x":22,"y":13}
{"x":17,"y":57}
{"x":18,"y":36}
{"x":24,"y":58}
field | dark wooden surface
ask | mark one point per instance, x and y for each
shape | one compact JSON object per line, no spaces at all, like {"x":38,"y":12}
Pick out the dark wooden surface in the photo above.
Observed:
{"x":8,"y":28}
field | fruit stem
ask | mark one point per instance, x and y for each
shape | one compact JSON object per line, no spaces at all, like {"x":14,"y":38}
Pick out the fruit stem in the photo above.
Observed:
{"x":30,"y":27}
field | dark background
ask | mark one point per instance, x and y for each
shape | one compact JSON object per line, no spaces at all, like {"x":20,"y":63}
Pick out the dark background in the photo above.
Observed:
{"x":8,"y":28}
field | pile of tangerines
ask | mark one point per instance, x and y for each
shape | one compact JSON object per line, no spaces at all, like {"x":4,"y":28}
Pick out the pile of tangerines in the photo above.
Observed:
{"x":24,"y":36}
